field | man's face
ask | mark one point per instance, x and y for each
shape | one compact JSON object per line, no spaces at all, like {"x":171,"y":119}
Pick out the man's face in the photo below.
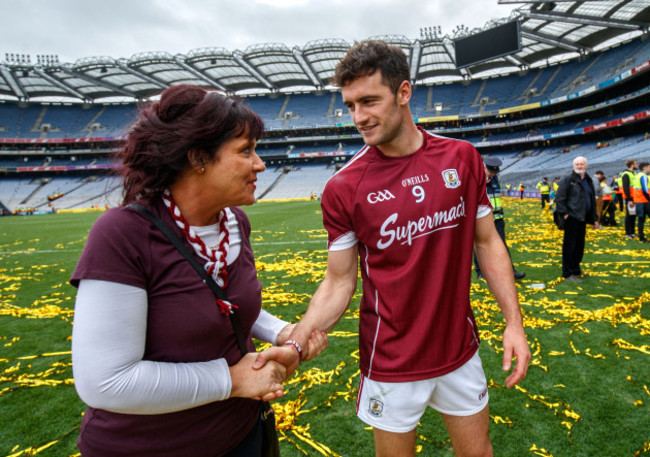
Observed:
{"x":580,"y":166}
{"x":635,"y":166}
{"x":646,"y":169}
{"x":375,"y":110}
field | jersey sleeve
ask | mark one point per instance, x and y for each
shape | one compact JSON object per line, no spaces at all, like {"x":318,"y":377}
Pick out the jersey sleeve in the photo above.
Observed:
{"x":113,"y":251}
{"x":336,"y":205}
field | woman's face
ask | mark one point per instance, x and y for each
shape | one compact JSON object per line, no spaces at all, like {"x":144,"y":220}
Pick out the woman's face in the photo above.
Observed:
{"x":231,"y":176}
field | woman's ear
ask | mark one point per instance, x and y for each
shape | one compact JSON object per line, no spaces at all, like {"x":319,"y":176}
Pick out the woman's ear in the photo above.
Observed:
{"x":197,"y":159}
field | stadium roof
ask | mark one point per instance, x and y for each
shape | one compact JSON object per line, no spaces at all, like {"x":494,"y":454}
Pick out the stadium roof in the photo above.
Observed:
{"x":551,"y":31}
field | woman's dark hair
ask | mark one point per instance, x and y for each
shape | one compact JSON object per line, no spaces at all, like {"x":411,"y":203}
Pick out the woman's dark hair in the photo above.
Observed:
{"x":186,"y":117}
{"x":366,"y":57}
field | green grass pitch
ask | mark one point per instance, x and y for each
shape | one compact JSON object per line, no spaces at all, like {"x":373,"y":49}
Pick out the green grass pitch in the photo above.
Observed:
{"x":587,"y":391}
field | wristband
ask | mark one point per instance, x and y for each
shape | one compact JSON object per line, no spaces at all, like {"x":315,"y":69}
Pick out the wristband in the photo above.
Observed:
{"x":296,"y":345}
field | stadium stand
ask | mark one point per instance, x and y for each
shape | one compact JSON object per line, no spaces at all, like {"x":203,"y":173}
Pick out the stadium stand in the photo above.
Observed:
{"x":536,"y":119}
{"x":301,"y":181}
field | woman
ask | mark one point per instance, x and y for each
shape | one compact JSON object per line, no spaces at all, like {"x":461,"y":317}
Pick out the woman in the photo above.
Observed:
{"x":154,"y":353}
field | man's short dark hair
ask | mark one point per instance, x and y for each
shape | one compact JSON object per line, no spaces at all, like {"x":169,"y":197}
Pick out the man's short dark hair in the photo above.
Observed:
{"x":366,"y":57}
{"x":630,"y":162}
{"x":642,"y":165}
{"x":599,"y":172}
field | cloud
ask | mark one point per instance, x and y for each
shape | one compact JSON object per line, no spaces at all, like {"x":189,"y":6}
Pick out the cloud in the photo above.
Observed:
{"x":74,"y":29}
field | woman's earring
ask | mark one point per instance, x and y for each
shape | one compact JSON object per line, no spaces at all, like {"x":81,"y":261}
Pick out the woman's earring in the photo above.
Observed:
{"x":202,"y":170}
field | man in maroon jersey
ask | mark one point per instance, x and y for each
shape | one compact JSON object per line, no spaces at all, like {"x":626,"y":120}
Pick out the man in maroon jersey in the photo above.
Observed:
{"x":410,"y":207}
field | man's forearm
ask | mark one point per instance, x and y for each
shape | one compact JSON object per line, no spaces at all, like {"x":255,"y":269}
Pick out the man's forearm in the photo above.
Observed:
{"x":326,"y":308}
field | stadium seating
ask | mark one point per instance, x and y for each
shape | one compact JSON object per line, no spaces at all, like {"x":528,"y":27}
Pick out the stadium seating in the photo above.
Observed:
{"x":301,"y":181}
{"x":286,"y":112}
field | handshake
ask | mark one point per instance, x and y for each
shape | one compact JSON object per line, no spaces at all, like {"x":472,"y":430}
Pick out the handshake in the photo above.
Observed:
{"x":259,"y":375}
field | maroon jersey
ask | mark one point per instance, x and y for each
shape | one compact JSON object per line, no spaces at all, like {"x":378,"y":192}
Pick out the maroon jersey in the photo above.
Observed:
{"x":414,"y":219}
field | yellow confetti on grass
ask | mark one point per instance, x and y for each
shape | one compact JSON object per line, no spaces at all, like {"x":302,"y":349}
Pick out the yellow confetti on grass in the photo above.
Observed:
{"x":541,"y":312}
{"x":540,"y":451}
{"x":618,"y":342}
{"x":645,"y":449}
{"x":46,"y":311}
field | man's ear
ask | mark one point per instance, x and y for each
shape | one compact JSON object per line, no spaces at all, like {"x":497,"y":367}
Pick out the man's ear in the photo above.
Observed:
{"x":404,"y":93}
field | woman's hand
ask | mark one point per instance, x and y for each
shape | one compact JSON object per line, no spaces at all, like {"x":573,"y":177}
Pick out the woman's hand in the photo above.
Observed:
{"x":262,"y":383}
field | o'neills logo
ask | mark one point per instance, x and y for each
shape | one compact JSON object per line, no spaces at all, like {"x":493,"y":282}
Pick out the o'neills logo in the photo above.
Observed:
{"x":391,"y":231}
{"x":415,"y":180}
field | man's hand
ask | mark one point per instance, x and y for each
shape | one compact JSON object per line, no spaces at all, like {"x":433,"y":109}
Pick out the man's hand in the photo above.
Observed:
{"x":515,"y":346}
{"x":317,"y":343}
{"x":288,"y":355}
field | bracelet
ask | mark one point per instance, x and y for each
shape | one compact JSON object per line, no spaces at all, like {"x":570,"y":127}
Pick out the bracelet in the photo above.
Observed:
{"x":296,"y":345}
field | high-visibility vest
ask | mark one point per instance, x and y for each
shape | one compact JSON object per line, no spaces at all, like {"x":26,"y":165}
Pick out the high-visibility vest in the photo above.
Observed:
{"x":543,"y":188}
{"x":556,"y":185}
{"x":637,"y":193}
{"x":632,"y":178}
{"x":607,"y":197}
{"x":493,"y":189}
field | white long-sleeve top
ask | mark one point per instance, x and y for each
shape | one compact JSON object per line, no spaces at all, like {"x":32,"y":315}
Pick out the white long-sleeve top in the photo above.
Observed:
{"x":108,"y":343}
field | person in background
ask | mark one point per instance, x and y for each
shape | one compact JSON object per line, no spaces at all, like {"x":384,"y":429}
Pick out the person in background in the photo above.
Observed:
{"x":544,"y":190}
{"x":627,"y":182}
{"x":410,"y":207}
{"x":576,"y":204}
{"x":154,"y":353}
{"x":599,"y":195}
{"x":493,"y":188}
{"x":617,"y":187}
{"x":521,"y":190}
{"x":609,"y":207}
{"x":554,"y":185}
{"x":641,"y":198}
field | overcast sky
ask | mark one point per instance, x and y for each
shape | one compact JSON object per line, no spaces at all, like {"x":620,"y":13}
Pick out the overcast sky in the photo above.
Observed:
{"x":73,"y":29}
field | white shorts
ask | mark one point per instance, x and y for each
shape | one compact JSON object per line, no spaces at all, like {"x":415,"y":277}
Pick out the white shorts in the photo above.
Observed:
{"x":398,"y":406}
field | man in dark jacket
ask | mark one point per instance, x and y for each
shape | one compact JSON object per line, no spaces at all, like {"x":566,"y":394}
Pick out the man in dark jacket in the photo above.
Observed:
{"x":576,"y":206}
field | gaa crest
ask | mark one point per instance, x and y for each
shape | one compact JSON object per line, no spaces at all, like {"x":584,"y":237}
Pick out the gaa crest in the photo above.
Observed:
{"x":376,"y":407}
{"x":451,"y":178}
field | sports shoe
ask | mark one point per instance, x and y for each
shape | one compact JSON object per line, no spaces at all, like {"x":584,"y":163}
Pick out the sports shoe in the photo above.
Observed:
{"x":584,"y":275}
{"x":574,"y":278}
{"x":519,"y":274}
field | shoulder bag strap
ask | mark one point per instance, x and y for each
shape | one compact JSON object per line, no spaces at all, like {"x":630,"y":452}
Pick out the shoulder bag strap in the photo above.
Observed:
{"x":216,"y":290}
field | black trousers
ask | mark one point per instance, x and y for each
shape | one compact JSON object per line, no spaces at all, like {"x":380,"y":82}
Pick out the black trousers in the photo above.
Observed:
{"x":642,"y":213}
{"x":608,"y":217}
{"x":500,"y":225}
{"x":573,"y":246}
{"x":545,"y":199}
{"x":629,"y":221}
{"x":618,"y":199}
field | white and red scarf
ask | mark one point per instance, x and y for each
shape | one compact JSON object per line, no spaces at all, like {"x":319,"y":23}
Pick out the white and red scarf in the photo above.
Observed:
{"x":216,"y":265}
